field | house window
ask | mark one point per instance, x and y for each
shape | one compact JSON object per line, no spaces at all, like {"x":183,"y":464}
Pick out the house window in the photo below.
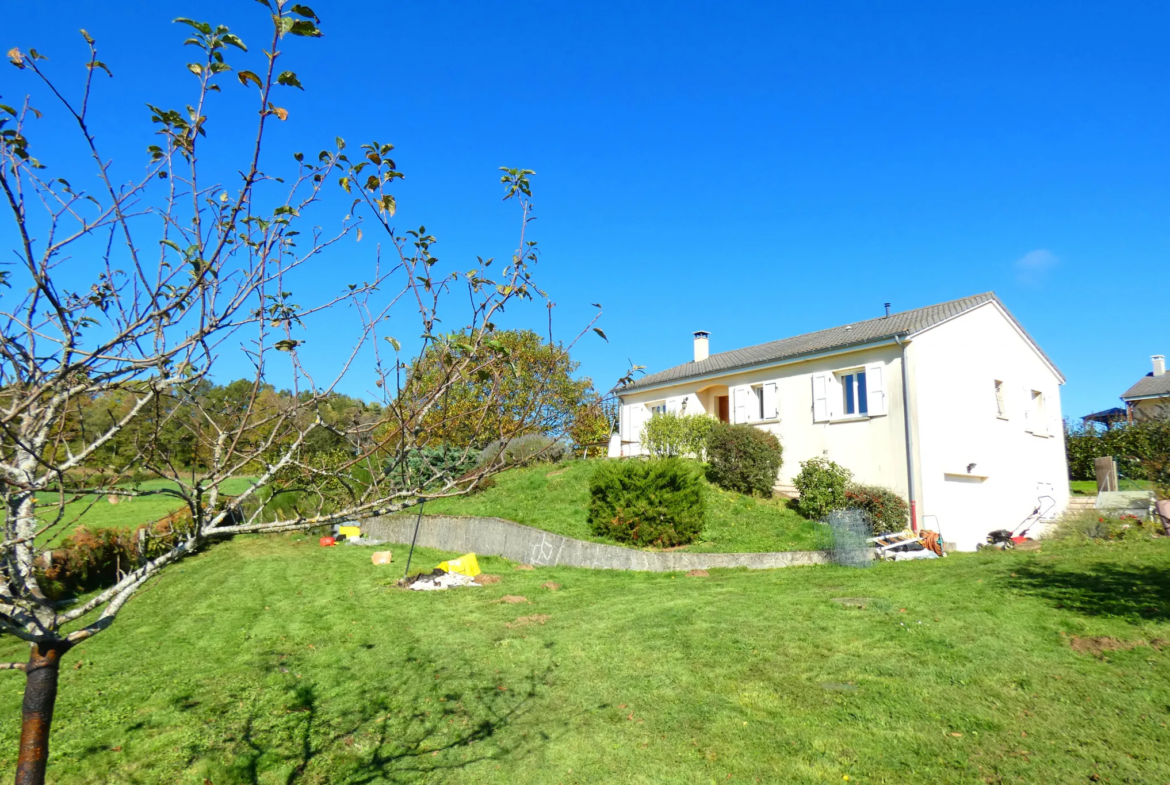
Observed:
{"x":854,"y":399}
{"x":657,"y":408}
{"x":1039,"y":415}
{"x":758,"y":401}
{"x":1000,"y":406}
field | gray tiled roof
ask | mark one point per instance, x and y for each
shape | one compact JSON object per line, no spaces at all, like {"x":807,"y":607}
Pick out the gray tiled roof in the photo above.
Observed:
{"x":1148,"y":385}
{"x":884,"y":327}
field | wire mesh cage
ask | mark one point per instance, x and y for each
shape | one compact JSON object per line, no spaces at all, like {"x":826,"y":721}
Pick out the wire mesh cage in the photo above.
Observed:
{"x":850,"y":531}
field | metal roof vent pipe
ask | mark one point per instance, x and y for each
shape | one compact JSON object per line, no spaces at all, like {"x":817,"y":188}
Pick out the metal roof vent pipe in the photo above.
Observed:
{"x":1159,"y":364}
{"x":701,"y":345}
{"x":887,"y":310}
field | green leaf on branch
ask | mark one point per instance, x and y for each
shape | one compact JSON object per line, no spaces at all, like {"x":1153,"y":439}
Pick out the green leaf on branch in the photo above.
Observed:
{"x":388,"y":204}
{"x":301,"y":27}
{"x":195,"y":68}
{"x":202,"y":27}
{"x":304,"y":10}
{"x":172,"y":244}
{"x":248,"y":76}
{"x":289,"y":79}
{"x":599,"y":332}
{"x":234,"y":40}
{"x":88,"y":38}
{"x":101,"y":65}
{"x":286,"y":345}
{"x":394,"y":342}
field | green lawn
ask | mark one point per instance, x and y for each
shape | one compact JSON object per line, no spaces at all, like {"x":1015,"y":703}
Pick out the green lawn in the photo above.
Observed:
{"x":556,"y":498}
{"x":96,"y":512}
{"x":1089,"y":487}
{"x":270,"y":660}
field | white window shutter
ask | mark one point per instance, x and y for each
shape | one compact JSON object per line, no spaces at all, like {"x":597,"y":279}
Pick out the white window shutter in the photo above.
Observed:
{"x":875,"y":389}
{"x":820,"y":385}
{"x":673,"y":405}
{"x":741,"y":407}
{"x":1029,"y":417}
{"x":771,"y":401}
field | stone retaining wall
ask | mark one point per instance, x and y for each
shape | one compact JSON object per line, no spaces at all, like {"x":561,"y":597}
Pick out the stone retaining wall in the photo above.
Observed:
{"x":498,"y":537}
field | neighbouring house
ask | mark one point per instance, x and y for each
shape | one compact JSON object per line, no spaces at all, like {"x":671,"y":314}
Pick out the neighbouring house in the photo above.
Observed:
{"x":1150,"y":397}
{"x":954,"y":406}
{"x":1107,"y":417}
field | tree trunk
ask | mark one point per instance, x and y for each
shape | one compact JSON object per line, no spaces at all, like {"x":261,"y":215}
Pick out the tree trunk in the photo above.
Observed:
{"x":40,"y":695}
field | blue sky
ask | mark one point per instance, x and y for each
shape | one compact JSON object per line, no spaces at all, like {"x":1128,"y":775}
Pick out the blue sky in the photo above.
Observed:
{"x":756,"y":170}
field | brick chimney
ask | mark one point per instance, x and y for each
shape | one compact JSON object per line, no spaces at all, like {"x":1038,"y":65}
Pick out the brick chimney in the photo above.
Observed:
{"x":1159,"y":359}
{"x":701,"y":340}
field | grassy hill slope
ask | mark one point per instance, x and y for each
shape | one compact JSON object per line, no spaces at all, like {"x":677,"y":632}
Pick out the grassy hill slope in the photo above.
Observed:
{"x":556,"y":498}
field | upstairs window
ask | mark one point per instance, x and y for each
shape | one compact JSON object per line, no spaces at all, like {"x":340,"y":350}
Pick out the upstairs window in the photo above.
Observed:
{"x":1000,"y":406}
{"x":657,"y":408}
{"x":855,"y":399}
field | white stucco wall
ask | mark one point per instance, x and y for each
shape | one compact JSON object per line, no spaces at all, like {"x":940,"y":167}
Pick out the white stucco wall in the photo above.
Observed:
{"x":871,"y":447}
{"x":953,"y":369}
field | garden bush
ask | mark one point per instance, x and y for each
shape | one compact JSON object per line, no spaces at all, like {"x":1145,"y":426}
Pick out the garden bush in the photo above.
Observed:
{"x":672,"y":435}
{"x":885,"y":510}
{"x":533,"y":447}
{"x":743,"y":458}
{"x":1139,"y":448}
{"x":822,"y":485}
{"x":657,"y":502}
{"x":92,"y":559}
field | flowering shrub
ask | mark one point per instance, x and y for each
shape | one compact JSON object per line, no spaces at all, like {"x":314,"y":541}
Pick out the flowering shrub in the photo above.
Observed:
{"x":885,"y":511}
{"x":1095,"y":526}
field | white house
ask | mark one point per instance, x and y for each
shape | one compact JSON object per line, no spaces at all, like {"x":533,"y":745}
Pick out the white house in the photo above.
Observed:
{"x":954,"y":406}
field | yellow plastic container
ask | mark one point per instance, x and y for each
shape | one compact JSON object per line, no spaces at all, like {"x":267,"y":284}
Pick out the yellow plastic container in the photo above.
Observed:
{"x":464,"y":565}
{"x":349,"y":531}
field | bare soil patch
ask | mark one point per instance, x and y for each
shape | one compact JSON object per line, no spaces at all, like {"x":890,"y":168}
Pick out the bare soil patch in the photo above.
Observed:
{"x":483,"y":579}
{"x":1103,"y":644}
{"x":551,"y":586}
{"x":698,"y":574}
{"x":524,"y":621}
{"x":513,"y":599}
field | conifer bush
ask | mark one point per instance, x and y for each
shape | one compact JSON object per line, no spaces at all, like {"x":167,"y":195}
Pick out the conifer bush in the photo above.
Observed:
{"x":657,"y":502}
{"x":743,"y":458}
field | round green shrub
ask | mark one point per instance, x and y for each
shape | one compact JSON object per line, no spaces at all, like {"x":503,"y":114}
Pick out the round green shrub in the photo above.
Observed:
{"x":822,"y":485}
{"x":657,"y":502}
{"x":743,"y":458}
{"x":884,"y":509}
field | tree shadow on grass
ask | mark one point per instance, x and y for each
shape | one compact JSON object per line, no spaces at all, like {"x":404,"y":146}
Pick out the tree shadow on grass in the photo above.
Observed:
{"x":1134,"y":593}
{"x":414,"y":719}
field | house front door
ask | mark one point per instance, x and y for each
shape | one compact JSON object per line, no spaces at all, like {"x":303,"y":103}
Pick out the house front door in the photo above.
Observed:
{"x":725,"y":408}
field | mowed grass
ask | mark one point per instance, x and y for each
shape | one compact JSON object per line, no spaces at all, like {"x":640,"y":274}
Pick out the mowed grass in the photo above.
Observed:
{"x":269,"y":660}
{"x":95,"y":511}
{"x":555,"y":497}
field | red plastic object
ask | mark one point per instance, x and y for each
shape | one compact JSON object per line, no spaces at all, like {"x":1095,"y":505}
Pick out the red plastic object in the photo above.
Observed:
{"x":1018,"y":540}
{"x":327,"y":541}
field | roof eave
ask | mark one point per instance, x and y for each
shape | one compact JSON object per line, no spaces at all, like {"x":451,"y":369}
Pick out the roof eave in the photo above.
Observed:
{"x":803,"y":357}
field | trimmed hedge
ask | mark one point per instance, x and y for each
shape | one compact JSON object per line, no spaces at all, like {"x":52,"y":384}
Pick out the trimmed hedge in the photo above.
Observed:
{"x":657,"y":502}
{"x":674,"y":435}
{"x":743,"y":458}
{"x":885,"y":511}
